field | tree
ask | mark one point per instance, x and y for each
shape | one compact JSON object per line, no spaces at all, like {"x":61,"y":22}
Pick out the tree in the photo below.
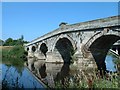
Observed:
{"x":8,"y":42}
{"x":21,"y":40}
{"x":11,"y":42}
{"x":22,"y":37}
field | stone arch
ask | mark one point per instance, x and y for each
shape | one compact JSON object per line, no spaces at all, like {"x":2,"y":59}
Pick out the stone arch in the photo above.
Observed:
{"x":65,"y":48}
{"x":33,"y":48}
{"x":106,"y":31}
{"x":43,"y":48}
{"x":64,"y":36}
{"x":27,"y":48}
{"x":99,"y":46}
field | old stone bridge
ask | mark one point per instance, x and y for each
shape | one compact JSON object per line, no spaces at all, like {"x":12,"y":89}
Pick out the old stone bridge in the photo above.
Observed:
{"x":89,"y":40}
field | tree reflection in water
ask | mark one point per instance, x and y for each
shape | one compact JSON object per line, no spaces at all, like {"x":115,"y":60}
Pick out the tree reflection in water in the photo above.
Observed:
{"x":15,"y":75}
{"x":9,"y":78}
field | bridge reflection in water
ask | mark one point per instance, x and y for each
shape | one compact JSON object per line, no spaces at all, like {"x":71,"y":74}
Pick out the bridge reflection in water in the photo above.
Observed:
{"x":52,"y":73}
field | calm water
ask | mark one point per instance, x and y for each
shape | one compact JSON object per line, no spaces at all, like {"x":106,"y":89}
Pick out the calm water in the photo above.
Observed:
{"x":13,"y":77}
{"x":48,"y":73}
{"x":110,"y":65}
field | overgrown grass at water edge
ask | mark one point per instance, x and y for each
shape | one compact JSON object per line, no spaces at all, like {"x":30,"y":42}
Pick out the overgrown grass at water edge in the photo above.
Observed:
{"x":14,"y":52}
{"x":94,"y":81}
{"x":14,"y":55}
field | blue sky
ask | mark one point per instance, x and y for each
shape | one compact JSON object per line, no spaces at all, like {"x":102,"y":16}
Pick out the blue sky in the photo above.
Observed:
{"x":36,"y":19}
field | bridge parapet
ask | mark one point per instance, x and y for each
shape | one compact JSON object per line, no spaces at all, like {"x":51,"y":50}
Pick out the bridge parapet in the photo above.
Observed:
{"x":84,"y":26}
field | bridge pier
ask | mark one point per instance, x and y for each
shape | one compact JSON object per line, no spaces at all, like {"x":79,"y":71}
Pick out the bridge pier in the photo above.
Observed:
{"x":78,"y":53}
{"x":39,"y":55}
{"x":54,"y":57}
{"x":30,"y":63}
{"x":30,"y":54}
{"x":86,"y":53}
{"x":31,"y":51}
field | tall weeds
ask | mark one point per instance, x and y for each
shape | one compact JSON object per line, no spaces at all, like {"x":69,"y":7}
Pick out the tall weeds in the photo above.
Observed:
{"x":91,"y":81}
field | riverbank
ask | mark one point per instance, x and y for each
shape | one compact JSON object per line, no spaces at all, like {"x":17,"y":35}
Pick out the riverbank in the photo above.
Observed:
{"x":13,"y":52}
{"x":6,"y":47}
{"x":12,"y":55}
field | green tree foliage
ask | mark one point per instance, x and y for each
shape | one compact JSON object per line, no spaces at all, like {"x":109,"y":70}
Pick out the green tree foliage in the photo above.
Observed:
{"x":11,"y":42}
{"x":22,"y":37}
{"x":8,"y":42}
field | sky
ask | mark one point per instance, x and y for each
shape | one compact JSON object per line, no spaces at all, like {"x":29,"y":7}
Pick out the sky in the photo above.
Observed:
{"x":34,"y":19}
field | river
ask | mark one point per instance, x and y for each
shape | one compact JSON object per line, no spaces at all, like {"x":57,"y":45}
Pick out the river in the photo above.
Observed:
{"x":17,"y":76}
{"x":14,"y":76}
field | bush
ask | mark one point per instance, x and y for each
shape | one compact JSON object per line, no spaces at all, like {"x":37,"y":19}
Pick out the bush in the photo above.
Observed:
{"x":14,"y":52}
{"x":13,"y":55}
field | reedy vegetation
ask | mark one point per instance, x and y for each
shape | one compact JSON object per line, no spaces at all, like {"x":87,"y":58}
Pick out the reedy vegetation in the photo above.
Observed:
{"x":85,"y":80}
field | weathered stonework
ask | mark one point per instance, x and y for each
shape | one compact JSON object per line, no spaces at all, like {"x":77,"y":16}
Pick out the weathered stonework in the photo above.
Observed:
{"x":90,"y":40}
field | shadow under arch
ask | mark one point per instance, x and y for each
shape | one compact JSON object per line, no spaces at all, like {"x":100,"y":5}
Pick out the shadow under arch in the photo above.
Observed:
{"x":65,"y":48}
{"x":33,"y":48}
{"x":27,"y":49}
{"x":65,"y":36}
{"x":100,"y":47}
{"x":43,"y":48}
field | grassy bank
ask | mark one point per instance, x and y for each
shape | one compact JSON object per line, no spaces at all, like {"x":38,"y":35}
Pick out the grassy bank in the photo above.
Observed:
{"x":13,"y":52}
{"x":14,"y":55}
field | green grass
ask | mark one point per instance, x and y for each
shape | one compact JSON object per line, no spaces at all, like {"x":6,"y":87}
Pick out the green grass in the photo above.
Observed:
{"x":13,"y":52}
{"x":93,"y":81}
{"x":13,"y":56}
{"x":117,"y":61}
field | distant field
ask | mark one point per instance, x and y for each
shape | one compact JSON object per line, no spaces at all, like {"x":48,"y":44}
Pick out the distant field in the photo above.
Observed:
{"x":6,"y":47}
